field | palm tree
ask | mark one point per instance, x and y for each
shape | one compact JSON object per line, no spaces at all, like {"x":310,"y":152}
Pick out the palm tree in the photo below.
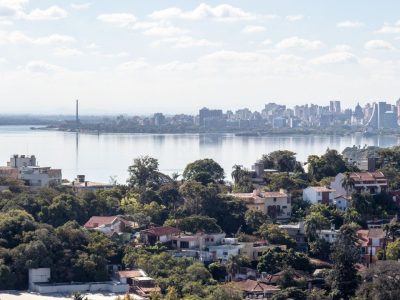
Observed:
{"x":79,"y":296}
{"x":237,"y":173}
{"x":348,"y":182}
{"x":233,"y":266}
{"x":392,"y":230}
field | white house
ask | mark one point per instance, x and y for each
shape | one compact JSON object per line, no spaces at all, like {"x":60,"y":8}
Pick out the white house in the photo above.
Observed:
{"x":328,"y":235}
{"x":196,"y":241}
{"x":367,"y":182}
{"x":319,"y":194}
{"x":223,"y":252}
{"x":158,"y":234}
{"x":110,"y":225}
{"x":342,"y":202}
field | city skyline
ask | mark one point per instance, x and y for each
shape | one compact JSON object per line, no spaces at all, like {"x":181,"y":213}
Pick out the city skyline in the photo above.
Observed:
{"x":182,"y":55}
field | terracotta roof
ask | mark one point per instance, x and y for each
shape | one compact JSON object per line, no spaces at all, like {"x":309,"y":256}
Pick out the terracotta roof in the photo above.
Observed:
{"x":131,"y":274}
{"x":251,"y":286}
{"x":159,"y":231}
{"x":366,"y":234}
{"x":322,"y":189}
{"x":97,"y":221}
{"x":273,"y":279}
{"x":367,"y":176}
{"x":260,"y":195}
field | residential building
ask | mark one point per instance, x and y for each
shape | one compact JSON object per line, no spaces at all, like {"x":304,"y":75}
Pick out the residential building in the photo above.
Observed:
{"x":342,"y":202}
{"x":25,"y":168}
{"x":296,"y":232}
{"x":140,"y":283}
{"x":275,"y":204}
{"x":162,"y":234}
{"x":329,"y":235}
{"x":112,"y":226}
{"x":223,"y":252}
{"x":383,"y":116}
{"x":253,"y":289}
{"x":254,"y":250}
{"x":319,"y":194}
{"x":80,"y":184}
{"x":371,"y":240}
{"x":367,"y":182}
{"x":196,"y":241}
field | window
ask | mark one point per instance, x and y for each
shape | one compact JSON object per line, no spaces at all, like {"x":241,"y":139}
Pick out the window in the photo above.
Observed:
{"x":184,"y":244}
{"x":212,"y":239}
{"x":224,"y":253}
{"x":274,"y":199}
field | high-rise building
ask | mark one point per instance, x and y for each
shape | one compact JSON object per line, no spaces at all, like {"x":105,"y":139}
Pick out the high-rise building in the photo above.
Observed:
{"x":383,"y":116}
{"x":334,"y":106}
{"x":159,"y":119}
{"x":209,"y":117}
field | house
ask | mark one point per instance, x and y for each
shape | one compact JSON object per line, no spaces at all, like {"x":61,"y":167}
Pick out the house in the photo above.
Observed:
{"x":319,"y":194}
{"x":196,"y":241}
{"x":329,"y":235}
{"x":296,"y":232}
{"x":139,"y":282}
{"x":253,"y":289}
{"x":25,"y":168}
{"x":367,"y":182}
{"x":225,"y":251}
{"x":254,"y":250}
{"x":111,"y":226}
{"x":371,"y":240}
{"x":162,"y":234}
{"x":80,"y":184}
{"x":342,"y":202}
{"x":275,"y":204}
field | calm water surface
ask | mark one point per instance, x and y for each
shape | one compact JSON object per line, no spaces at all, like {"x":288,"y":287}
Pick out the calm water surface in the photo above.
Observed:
{"x":105,"y":155}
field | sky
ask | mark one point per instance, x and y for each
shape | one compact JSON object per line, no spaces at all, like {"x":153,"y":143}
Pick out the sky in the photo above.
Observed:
{"x":141,"y":57}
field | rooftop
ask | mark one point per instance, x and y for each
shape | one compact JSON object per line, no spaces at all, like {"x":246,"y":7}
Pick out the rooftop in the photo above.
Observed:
{"x":159,"y":231}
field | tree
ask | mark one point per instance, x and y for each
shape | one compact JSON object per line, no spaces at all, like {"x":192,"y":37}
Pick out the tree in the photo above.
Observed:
{"x":345,"y":255}
{"x":79,"y":296}
{"x":196,"y":223}
{"x":348,"y":182}
{"x":144,"y":173}
{"x":392,"y":229}
{"x":327,"y":165}
{"x":381,"y":281}
{"x":313,"y":223}
{"x":226,"y":292}
{"x":172,"y":294}
{"x":276,"y":235}
{"x":218,"y":271}
{"x":393,"y":250}
{"x":290,"y":293}
{"x":204,"y":167}
{"x":275,"y":260}
{"x":233,"y":266}
{"x":281,"y":160}
{"x":254,"y":219}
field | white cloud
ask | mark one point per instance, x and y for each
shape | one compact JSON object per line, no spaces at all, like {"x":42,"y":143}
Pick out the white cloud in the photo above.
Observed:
{"x":185,"y":42}
{"x":222,"y":12}
{"x":93,"y":46}
{"x":81,"y":6}
{"x":389,"y":28}
{"x":67,"y":52}
{"x":117,"y":55}
{"x":18,"y":37}
{"x":267,"y":42}
{"x":164,"y":31}
{"x":378,"y":45}
{"x":299,"y":43}
{"x":349,"y":24}
{"x":10,"y":7}
{"x":294,"y":18}
{"x":253,"y":29}
{"x":225,"y":56}
{"x":3,"y":60}
{"x":342,"y":48}
{"x":39,"y":66}
{"x":52,"y":13}
{"x":335,"y":58}
{"x":133,"y":65}
{"x":118,"y":19}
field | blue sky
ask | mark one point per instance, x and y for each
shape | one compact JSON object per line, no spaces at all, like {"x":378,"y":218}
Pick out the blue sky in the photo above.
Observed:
{"x":139,"y":57}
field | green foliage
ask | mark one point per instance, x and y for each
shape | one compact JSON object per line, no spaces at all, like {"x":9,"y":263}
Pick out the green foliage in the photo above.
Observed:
{"x":281,"y":160}
{"x":314,"y":222}
{"x":393,"y":250}
{"x":345,"y":255}
{"x":275,"y":182}
{"x":204,"y":171}
{"x":290,"y":293}
{"x":381,"y":281}
{"x":196,"y":223}
{"x":320,"y":248}
{"x":327,"y":165}
{"x":254,"y":219}
{"x":218,"y":271}
{"x":370,"y":206}
{"x":275,"y":260}
{"x":275,"y":235}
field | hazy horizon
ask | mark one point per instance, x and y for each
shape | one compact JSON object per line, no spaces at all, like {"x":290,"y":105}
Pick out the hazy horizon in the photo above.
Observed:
{"x":138,"y":57}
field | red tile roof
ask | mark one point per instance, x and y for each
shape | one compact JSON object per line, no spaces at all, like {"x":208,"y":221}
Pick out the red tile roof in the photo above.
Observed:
{"x":131,"y":274}
{"x":251,"y":286}
{"x":367,"y":176}
{"x":159,"y":231}
{"x":97,"y":221}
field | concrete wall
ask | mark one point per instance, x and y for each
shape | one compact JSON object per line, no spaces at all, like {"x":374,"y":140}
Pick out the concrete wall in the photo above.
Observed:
{"x":111,"y":287}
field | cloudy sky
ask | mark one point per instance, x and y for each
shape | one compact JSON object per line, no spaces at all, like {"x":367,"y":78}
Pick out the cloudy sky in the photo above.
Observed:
{"x":139,"y":57}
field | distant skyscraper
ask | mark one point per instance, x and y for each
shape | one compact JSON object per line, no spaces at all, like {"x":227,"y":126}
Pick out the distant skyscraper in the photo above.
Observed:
{"x":210,"y":116}
{"x":334,"y":106}
{"x":383,"y":116}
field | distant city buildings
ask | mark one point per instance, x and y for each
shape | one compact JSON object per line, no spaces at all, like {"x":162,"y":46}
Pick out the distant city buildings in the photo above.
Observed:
{"x":25,"y":168}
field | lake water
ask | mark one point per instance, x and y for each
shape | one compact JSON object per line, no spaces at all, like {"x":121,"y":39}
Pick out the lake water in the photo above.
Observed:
{"x":105,"y":155}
